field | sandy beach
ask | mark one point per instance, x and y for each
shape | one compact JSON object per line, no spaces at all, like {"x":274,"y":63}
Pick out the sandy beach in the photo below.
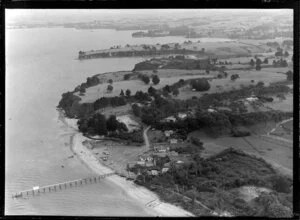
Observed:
{"x":150,"y":200}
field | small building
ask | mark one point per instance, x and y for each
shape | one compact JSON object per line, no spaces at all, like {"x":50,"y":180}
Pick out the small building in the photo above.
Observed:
{"x":251,"y":99}
{"x":173,"y":141}
{"x":142,"y":163}
{"x":160,"y":154}
{"x":154,"y":172}
{"x":161,"y":148}
{"x":149,"y":158}
{"x":142,"y":158}
{"x":167,"y":165}
{"x":149,"y":164}
{"x":131,"y":165}
{"x":169,"y":119}
{"x":182,"y":115}
{"x":168,"y":133}
{"x":211,"y":110}
{"x":173,"y":153}
{"x":165,"y":169}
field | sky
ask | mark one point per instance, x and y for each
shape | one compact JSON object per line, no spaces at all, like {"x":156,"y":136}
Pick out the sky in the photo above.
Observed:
{"x":75,"y":15}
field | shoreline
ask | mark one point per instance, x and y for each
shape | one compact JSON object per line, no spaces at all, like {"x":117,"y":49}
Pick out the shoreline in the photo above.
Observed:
{"x":150,"y":200}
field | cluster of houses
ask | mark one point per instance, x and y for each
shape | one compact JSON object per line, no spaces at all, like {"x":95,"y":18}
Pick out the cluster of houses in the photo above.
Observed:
{"x":174,"y":118}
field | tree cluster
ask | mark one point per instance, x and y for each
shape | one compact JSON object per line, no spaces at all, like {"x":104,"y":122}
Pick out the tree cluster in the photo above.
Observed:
{"x":280,"y":63}
{"x":104,"y":102}
{"x":97,"y":124}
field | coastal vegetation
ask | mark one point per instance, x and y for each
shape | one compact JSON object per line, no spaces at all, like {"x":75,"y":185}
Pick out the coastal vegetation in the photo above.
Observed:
{"x":219,"y":177}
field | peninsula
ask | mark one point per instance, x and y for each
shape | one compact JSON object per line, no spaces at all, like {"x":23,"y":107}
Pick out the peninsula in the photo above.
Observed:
{"x":184,"y":126}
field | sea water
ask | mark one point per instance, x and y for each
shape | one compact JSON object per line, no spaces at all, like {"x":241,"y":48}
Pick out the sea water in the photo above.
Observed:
{"x":41,"y":64}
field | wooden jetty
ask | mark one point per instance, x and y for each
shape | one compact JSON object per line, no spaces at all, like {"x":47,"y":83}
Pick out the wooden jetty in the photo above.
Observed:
{"x":60,"y":186}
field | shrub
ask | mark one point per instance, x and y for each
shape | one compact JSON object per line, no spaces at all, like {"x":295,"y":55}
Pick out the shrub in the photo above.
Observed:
{"x":110,"y":88}
{"x":155,"y":80}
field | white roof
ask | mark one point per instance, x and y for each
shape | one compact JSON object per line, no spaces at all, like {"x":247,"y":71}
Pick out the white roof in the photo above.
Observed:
{"x":211,"y":110}
{"x":251,"y":99}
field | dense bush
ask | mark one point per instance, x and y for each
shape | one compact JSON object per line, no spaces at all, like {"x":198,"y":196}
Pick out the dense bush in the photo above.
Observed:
{"x":142,"y":96}
{"x":109,"y":101}
{"x":95,"y":125}
{"x":136,"y":136}
{"x":240,"y":132}
{"x":200,"y":84}
{"x":67,"y":102}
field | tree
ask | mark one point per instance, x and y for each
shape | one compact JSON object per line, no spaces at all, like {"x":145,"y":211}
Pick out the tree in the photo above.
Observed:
{"x":146,"y":79}
{"x":234,"y":77}
{"x":110,"y":88}
{"x":112,"y":123}
{"x":181,"y":82}
{"x":176,"y":92}
{"x":284,"y":63}
{"x":266,"y":61}
{"x":289,"y":75}
{"x":252,"y":62}
{"x":82,"y":90}
{"x":122,"y":92}
{"x":98,"y":123}
{"x":214,"y":60}
{"x":127,"y":76}
{"x":110,"y":81}
{"x":136,"y":110}
{"x":128,"y":92}
{"x":167,"y":89}
{"x":279,"y":52}
{"x":286,"y":54}
{"x":155,"y":79}
{"x":152,"y":91}
{"x":258,"y":67}
{"x":101,"y":103}
{"x":200,"y":84}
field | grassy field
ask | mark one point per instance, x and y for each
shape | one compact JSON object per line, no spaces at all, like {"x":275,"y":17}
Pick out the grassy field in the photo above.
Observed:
{"x":266,"y":75}
{"x":100,"y":90}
